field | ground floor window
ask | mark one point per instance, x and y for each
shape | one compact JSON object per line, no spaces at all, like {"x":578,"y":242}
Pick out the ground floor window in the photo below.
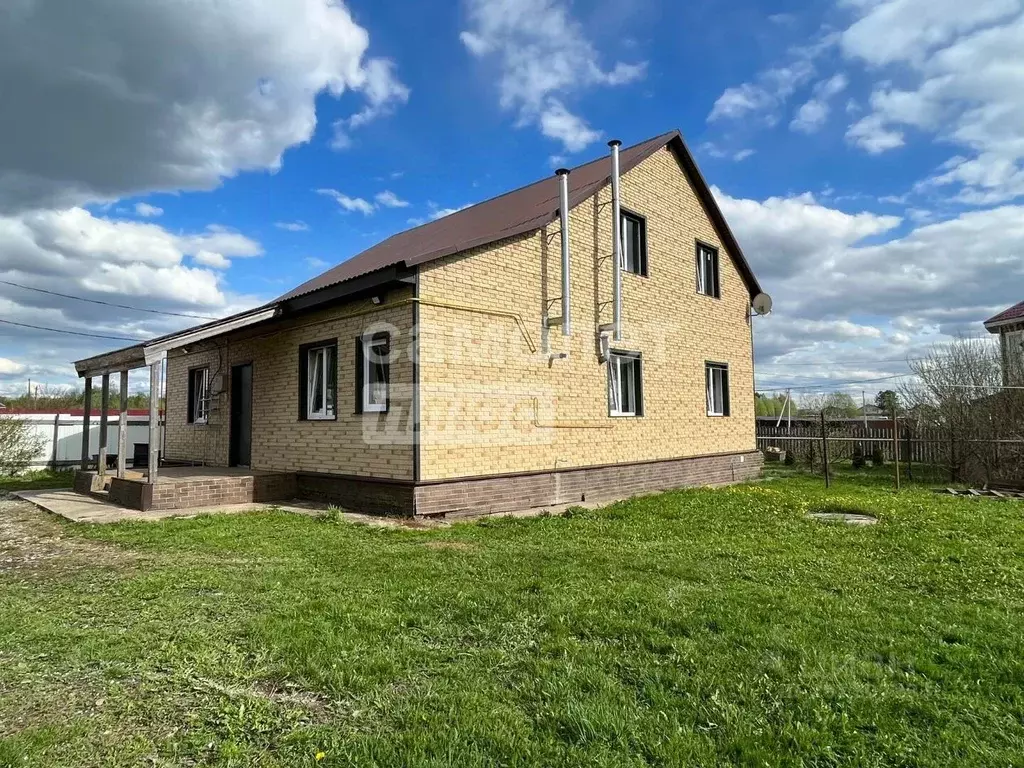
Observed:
{"x":198,"y":396}
{"x":625,"y":384}
{"x":375,"y":350}
{"x":718,"y":389}
{"x":319,"y":380}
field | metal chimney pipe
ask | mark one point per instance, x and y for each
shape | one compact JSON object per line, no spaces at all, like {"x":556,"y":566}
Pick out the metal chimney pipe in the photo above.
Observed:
{"x":616,"y":243}
{"x":563,"y":183}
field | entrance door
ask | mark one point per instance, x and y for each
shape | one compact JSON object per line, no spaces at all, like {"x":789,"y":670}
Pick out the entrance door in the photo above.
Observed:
{"x":241,"y":415}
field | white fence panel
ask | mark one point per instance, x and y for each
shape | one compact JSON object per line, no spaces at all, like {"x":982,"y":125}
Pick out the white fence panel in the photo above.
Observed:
{"x":61,"y":436}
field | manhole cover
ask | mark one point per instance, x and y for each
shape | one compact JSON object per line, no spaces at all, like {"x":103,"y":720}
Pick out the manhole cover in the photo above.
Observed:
{"x":847,"y":518}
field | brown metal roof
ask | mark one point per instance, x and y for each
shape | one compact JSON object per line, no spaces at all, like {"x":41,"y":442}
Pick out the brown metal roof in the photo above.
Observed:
{"x":523,"y":210}
{"x":1016,"y":312}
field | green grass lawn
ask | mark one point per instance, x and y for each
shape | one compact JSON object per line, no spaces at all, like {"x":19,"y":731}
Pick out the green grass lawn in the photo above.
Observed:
{"x":705,"y":627}
{"x":43,"y":479}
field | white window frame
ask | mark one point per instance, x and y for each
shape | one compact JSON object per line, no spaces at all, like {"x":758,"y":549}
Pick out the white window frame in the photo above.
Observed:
{"x":641,"y":255}
{"x":616,"y":362}
{"x":1014,"y":351}
{"x":713,"y":371}
{"x":317,"y":367}
{"x":200,"y":386}
{"x":370,"y":358}
{"x":707,"y":255}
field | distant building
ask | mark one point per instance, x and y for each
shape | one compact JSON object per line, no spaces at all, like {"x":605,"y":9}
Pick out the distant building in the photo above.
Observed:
{"x":1009,"y":324}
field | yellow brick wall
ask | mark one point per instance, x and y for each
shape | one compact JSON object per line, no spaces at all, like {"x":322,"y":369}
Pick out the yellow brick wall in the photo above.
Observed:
{"x":368,"y":445}
{"x":490,"y":406}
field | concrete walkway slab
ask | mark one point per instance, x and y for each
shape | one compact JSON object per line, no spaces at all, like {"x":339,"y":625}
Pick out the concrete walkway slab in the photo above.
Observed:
{"x":87,"y":509}
{"x":79,"y":508}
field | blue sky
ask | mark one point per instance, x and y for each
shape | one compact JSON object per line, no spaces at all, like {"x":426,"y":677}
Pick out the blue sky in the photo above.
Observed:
{"x":867,"y":152}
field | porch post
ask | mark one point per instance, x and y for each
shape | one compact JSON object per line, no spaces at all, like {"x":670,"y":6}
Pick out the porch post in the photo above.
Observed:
{"x":154,"y":422}
{"x":85,"y":422}
{"x":122,"y":428}
{"x":104,"y":411}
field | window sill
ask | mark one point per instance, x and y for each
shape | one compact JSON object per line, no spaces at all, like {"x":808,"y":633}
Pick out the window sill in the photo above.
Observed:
{"x":718,"y":416}
{"x":709,"y":296}
{"x":320,"y":418}
{"x":625,"y":415}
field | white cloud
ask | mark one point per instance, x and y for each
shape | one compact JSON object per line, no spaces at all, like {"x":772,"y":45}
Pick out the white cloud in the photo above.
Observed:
{"x":784,"y":234}
{"x":813,"y":114}
{"x":841,"y":293}
{"x":907,"y":30}
{"x":556,"y":122}
{"x":389,"y":199}
{"x":8,"y":367}
{"x":544,"y":56}
{"x":384,"y":93}
{"x":352,"y":204}
{"x":148,"y":211}
{"x":318,"y":265}
{"x":871,"y":135}
{"x":962,"y":81}
{"x":105,"y":99}
{"x":211,"y":259}
{"x":125,"y":262}
{"x":764,"y":97}
{"x":743,"y":154}
{"x":292,"y":226}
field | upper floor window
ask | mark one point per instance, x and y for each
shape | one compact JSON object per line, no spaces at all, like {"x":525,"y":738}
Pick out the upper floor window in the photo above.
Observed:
{"x":318,"y":364}
{"x":634,"y":244}
{"x":625,"y":384}
{"x":1014,"y":356}
{"x":374,"y":351}
{"x":717,"y":375}
{"x":199,"y":396}
{"x":707,"y":271}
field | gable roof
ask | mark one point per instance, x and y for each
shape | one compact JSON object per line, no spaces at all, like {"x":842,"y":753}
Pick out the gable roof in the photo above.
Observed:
{"x":523,"y":210}
{"x":1016,"y":312}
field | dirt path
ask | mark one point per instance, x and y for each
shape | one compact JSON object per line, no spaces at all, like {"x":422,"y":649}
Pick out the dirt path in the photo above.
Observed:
{"x":33,"y":540}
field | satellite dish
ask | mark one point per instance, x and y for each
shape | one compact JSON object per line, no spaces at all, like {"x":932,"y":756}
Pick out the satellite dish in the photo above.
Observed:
{"x":762,"y":304}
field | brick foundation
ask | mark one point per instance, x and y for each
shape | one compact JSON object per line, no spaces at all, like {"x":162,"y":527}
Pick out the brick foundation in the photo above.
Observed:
{"x":451,"y":498}
{"x":358,"y":494}
{"x":513,"y":492}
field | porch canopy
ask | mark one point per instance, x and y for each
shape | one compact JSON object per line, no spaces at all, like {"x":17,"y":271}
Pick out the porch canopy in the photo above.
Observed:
{"x":149,"y":354}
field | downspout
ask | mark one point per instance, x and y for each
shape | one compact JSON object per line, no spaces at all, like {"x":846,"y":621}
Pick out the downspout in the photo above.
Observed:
{"x":616,"y":243}
{"x":563,"y":183}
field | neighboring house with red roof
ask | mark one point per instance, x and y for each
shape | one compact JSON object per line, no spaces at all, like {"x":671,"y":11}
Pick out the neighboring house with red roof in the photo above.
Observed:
{"x":1009,"y":324}
{"x":585,"y":337}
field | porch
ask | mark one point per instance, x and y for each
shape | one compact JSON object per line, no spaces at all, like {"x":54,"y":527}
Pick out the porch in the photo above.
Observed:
{"x":177,"y":488}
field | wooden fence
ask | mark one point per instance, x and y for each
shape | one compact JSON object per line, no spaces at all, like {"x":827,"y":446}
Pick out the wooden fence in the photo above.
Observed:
{"x":929,"y":446}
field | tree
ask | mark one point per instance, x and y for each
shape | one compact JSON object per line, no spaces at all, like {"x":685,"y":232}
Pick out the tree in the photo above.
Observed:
{"x":887,"y":401}
{"x":19,"y":445}
{"x":957,"y":389}
{"x":771,"y":405}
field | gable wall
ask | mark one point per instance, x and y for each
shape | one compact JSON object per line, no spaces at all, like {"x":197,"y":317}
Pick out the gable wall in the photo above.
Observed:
{"x":480,"y":382}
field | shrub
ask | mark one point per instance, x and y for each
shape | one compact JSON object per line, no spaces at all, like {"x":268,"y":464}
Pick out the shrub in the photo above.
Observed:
{"x":859,"y":460}
{"x":877,"y":457}
{"x":18,"y":445}
{"x":790,"y":459}
{"x":811,"y":455}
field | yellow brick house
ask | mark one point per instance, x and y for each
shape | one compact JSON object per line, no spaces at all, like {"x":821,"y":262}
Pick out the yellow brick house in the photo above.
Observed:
{"x":533,"y":349}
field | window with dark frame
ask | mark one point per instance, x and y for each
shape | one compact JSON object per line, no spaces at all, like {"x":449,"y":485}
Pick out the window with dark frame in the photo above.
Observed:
{"x":374,"y":351}
{"x":707,"y":271}
{"x":319,"y":381}
{"x":199,"y":396}
{"x":625,"y":384}
{"x":717,"y":377}
{"x":634,"y":244}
